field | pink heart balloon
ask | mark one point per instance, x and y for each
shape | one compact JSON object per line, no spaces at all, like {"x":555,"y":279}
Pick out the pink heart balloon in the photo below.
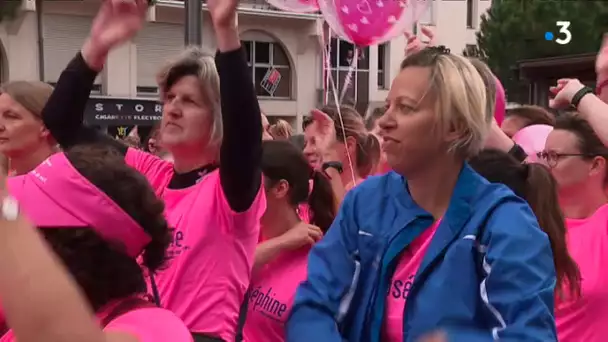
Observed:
{"x":369,"y":22}
{"x":298,"y":6}
{"x":532,"y":139}
{"x":501,"y":102}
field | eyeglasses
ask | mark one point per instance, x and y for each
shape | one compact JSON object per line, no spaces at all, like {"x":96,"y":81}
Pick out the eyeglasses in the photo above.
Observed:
{"x":552,"y":158}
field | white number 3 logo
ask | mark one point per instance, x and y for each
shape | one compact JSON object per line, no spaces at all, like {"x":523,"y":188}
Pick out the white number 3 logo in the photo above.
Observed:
{"x":564,"y":28}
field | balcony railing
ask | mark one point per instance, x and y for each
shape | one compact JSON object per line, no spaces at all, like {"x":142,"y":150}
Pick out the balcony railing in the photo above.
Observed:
{"x":260,"y":7}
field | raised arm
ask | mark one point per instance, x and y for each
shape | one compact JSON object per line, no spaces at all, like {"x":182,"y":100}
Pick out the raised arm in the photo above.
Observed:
{"x":241,"y":151}
{"x":64,"y":111}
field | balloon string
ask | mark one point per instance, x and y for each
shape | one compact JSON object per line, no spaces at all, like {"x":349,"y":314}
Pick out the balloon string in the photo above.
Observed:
{"x":334,"y":91}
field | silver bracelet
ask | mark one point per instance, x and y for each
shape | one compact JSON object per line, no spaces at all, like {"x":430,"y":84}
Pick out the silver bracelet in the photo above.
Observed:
{"x":10,"y":208}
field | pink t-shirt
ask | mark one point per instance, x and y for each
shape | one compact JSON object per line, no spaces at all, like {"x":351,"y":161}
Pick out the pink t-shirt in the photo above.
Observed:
{"x":402,"y":281}
{"x":586,"y":319}
{"x":146,"y":324}
{"x":272,"y":293}
{"x":212,"y":251}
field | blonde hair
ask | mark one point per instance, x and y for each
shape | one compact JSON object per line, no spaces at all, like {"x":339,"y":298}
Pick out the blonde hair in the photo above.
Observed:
{"x":32,"y":95}
{"x":194,"y":61}
{"x":460,"y":96}
{"x":281,"y":130}
{"x":489,"y":81}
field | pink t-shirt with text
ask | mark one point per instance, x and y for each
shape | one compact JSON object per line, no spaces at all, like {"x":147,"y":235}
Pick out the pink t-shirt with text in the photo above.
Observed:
{"x":273,"y":289}
{"x":586,"y":319}
{"x":146,"y":324}
{"x":402,"y":281}
{"x":212,"y":251}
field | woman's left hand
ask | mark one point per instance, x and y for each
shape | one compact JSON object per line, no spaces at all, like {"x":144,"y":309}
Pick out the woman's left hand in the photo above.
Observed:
{"x":324,"y":130}
{"x":223,"y":13}
{"x":564,"y":91}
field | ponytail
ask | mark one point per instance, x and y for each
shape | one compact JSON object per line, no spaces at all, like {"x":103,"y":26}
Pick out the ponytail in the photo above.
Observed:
{"x":541,"y":194}
{"x":321,"y":202}
{"x":368,"y":154}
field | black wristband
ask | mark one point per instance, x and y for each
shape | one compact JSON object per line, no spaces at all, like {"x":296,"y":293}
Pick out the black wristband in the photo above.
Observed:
{"x":576,"y":99}
{"x":333,"y":165}
{"x":518,"y":153}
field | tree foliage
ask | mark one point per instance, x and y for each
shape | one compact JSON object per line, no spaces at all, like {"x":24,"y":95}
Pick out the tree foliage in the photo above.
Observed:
{"x":514,"y":30}
{"x":8,"y":9}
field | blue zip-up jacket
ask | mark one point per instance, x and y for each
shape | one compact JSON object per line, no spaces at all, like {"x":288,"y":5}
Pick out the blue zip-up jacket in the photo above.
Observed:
{"x":487,"y":275}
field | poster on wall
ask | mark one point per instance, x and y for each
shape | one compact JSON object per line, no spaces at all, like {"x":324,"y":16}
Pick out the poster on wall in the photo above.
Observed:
{"x":271,"y":81}
{"x":107,"y":111}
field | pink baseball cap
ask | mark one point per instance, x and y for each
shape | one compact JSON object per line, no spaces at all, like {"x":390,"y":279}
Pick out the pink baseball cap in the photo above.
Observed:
{"x":55,"y":194}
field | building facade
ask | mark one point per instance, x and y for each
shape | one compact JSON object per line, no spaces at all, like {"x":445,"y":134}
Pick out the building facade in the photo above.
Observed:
{"x":284,"y":52}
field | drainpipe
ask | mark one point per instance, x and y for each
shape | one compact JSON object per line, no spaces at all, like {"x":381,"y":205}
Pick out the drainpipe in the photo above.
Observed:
{"x":40,"y":40}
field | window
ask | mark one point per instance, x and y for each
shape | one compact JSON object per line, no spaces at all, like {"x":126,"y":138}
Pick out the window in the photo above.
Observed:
{"x":147,"y":91}
{"x":341,"y":58}
{"x":470,"y":10}
{"x":268,"y":61}
{"x":383,"y":54}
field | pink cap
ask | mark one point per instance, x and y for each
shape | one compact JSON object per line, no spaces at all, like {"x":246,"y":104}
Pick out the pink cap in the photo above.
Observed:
{"x":55,"y":194}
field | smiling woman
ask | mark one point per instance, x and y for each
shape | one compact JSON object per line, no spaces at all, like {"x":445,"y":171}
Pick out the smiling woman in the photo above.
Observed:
{"x":24,"y":140}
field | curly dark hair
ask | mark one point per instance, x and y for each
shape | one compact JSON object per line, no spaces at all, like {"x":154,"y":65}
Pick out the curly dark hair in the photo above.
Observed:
{"x":102,"y":269}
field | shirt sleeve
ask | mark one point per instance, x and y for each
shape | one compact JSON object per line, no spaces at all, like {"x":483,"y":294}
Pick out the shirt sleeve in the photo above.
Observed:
{"x":63,"y":114}
{"x":241,"y":150}
{"x":519,"y":280}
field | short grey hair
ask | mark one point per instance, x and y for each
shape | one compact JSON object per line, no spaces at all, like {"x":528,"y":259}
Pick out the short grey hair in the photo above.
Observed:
{"x":196,"y":62}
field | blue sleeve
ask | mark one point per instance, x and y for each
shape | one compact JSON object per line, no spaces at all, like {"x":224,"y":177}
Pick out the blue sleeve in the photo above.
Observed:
{"x":518,"y":288}
{"x":324,"y":297}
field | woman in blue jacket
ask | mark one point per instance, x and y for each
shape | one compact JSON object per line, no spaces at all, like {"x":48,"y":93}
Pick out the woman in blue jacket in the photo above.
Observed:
{"x":431,"y":246}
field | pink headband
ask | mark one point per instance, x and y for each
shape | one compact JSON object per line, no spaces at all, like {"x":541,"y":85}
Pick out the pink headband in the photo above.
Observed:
{"x":55,"y":194}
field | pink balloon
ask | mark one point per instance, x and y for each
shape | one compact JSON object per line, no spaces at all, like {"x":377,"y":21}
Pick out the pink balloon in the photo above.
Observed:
{"x":370,"y":22}
{"x":298,"y":6}
{"x":501,"y":102}
{"x":532,"y":139}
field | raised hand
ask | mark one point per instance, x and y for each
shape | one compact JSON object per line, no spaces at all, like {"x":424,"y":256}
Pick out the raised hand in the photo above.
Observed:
{"x":324,"y":130}
{"x":564,"y":90}
{"x":223,"y":12}
{"x":414,"y":44}
{"x":116,"y":22}
{"x":224,"y":17}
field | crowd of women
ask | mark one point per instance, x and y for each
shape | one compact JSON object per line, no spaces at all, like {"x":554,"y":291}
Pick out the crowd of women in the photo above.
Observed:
{"x":425,"y":221}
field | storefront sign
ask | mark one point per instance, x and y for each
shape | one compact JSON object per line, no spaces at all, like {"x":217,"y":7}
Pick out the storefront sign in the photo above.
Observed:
{"x":116,"y":112}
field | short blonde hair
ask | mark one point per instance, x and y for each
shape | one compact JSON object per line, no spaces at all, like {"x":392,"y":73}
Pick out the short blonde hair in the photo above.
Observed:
{"x":489,"y":81}
{"x":281,"y":130}
{"x":196,"y":62}
{"x":460,"y":94}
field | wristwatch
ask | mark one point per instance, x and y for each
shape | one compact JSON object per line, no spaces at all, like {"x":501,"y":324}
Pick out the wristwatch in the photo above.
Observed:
{"x":10,"y":208}
{"x":332,"y":165}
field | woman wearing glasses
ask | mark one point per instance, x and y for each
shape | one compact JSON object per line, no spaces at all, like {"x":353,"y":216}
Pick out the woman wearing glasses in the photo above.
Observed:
{"x":577,"y":159}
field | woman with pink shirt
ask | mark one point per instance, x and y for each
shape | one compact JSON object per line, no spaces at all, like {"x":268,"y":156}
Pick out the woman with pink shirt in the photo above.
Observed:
{"x":337,"y":143}
{"x":431,"y":245}
{"x":104,"y":223}
{"x":210,"y":113}
{"x":281,"y":257}
{"x":24,"y":140}
{"x":578,"y":161}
